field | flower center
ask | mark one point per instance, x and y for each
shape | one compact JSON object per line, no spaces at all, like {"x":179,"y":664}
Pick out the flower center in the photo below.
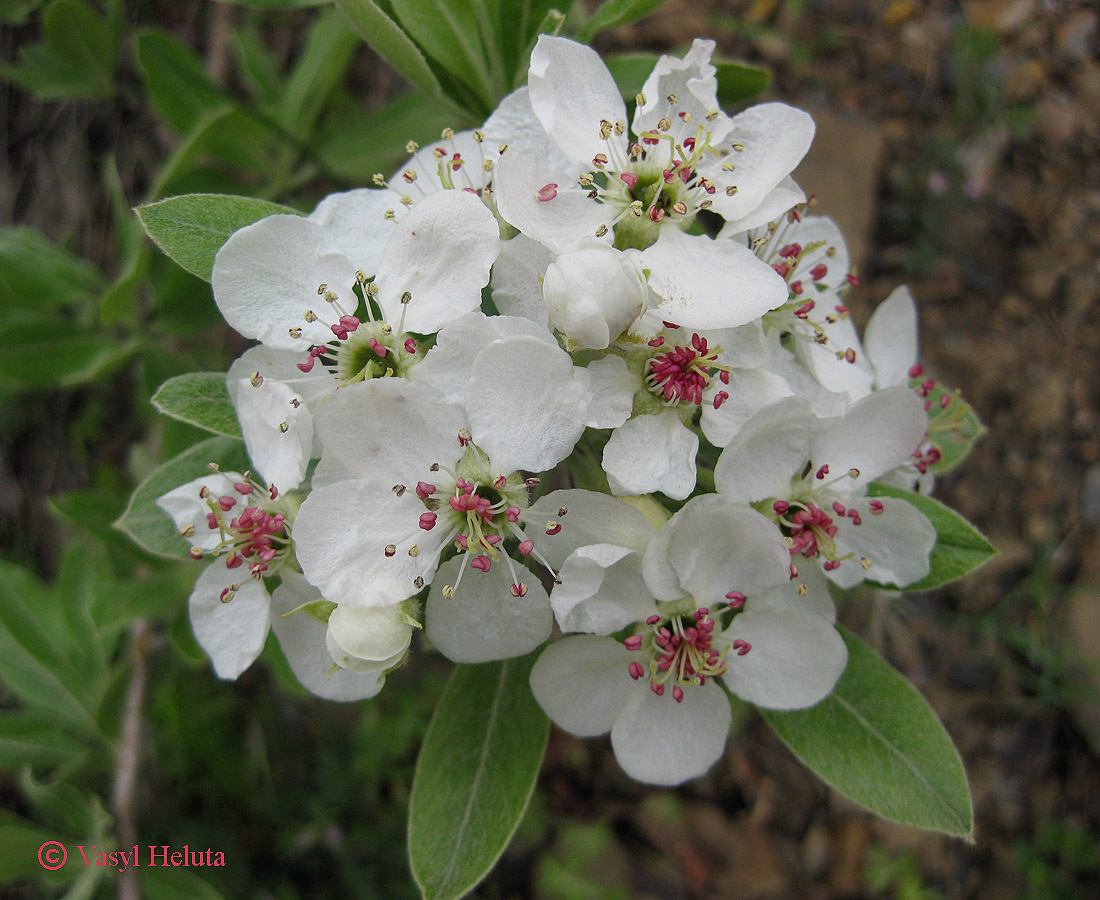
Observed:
{"x":361,"y":349}
{"x":258,"y":535}
{"x":680,"y":650}
{"x":680,"y":375}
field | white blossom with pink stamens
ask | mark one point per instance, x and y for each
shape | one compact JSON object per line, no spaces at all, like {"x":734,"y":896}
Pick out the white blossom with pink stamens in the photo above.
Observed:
{"x":713,"y":563}
{"x":642,"y":192}
{"x":811,"y":476}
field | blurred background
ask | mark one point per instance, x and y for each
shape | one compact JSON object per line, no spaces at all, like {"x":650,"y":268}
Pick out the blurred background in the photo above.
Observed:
{"x":958,"y":146}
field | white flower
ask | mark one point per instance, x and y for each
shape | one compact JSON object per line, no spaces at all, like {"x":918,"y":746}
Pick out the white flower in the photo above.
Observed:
{"x":290,"y":283}
{"x":405,"y":476}
{"x":655,"y":692}
{"x":594,"y":294}
{"x":221,"y":513}
{"x":811,"y":475}
{"x":656,"y":389}
{"x":643,"y":193}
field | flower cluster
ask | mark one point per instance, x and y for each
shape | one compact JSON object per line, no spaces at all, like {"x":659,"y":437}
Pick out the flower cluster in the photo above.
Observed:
{"x":647,"y":312}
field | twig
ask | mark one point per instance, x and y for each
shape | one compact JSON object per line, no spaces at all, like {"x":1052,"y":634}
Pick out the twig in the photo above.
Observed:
{"x":129,"y":756}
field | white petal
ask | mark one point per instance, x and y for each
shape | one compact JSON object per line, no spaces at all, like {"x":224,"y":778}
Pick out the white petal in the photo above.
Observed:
{"x":357,"y":221}
{"x":795,"y":660}
{"x":470,"y":173}
{"x":877,"y":434}
{"x":601,"y":590}
{"x":571,"y":91}
{"x":514,"y":123}
{"x":582,"y":683}
{"x":744,"y":347}
{"x":558,"y":223}
{"x":396,"y":427}
{"x":776,"y":203}
{"x":440,"y":253}
{"x":233,"y":633}
{"x":660,"y":741}
{"x":266,"y":277}
{"x":891,"y":338}
{"x":341,"y":534}
{"x":706,"y":284}
{"x":768,"y":452}
{"x":448,"y":365}
{"x":691,"y":80}
{"x":302,"y":638}
{"x":517,"y":279}
{"x":652,"y":453}
{"x":591,"y":518}
{"x":897,"y":541}
{"x":816,"y":600}
{"x":611,"y":392}
{"x":750,"y":390}
{"x":187,"y":508}
{"x":526,"y":408}
{"x":775,"y":137}
{"x":716,"y":548}
{"x":834,"y":372}
{"x":484,"y":620}
{"x":276,"y":423}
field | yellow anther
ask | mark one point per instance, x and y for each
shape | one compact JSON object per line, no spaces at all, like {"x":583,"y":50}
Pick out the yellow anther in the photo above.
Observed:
{"x":664,"y":124}
{"x":295,"y":332}
{"x":601,"y":231}
{"x":406,"y":297}
{"x":672,"y":99}
{"x":448,"y":133}
{"x":284,"y":427}
{"x":256,"y":380}
{"x":412,"y":147}
{"x":310,"y":316}
{"x":479,"y":135}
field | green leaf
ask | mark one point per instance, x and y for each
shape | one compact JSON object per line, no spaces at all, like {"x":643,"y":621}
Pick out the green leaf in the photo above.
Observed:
{"x":200,"y":398}
{"x":391,"y":43}
{"x":75,"y":60}
{"x":447,"y":30}
{"x":32,"y":738}
{"x":876,"y":740}
{"x":953,"y":429}
{"x":45,"y":352}
{"x":959,"y":547}
{"x":35,"y":272}
{"x":146,"y":523}
{"x":33,"y":659}
{"x":277,"y":4}
{"x":192,"y":228}
{"x":329,"y":49}
{"x":178,"y":85}
{"x":737,"y":82}
{"x":474,"y":777}
{"x":355,"y":144}
{"x":175,"y":884}
{"x":21,"y":840}
{"x":616,"y":12}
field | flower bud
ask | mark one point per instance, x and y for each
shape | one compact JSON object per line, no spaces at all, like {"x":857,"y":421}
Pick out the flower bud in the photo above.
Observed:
{"x":368,"y":639}
{"x":594,"y":294}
